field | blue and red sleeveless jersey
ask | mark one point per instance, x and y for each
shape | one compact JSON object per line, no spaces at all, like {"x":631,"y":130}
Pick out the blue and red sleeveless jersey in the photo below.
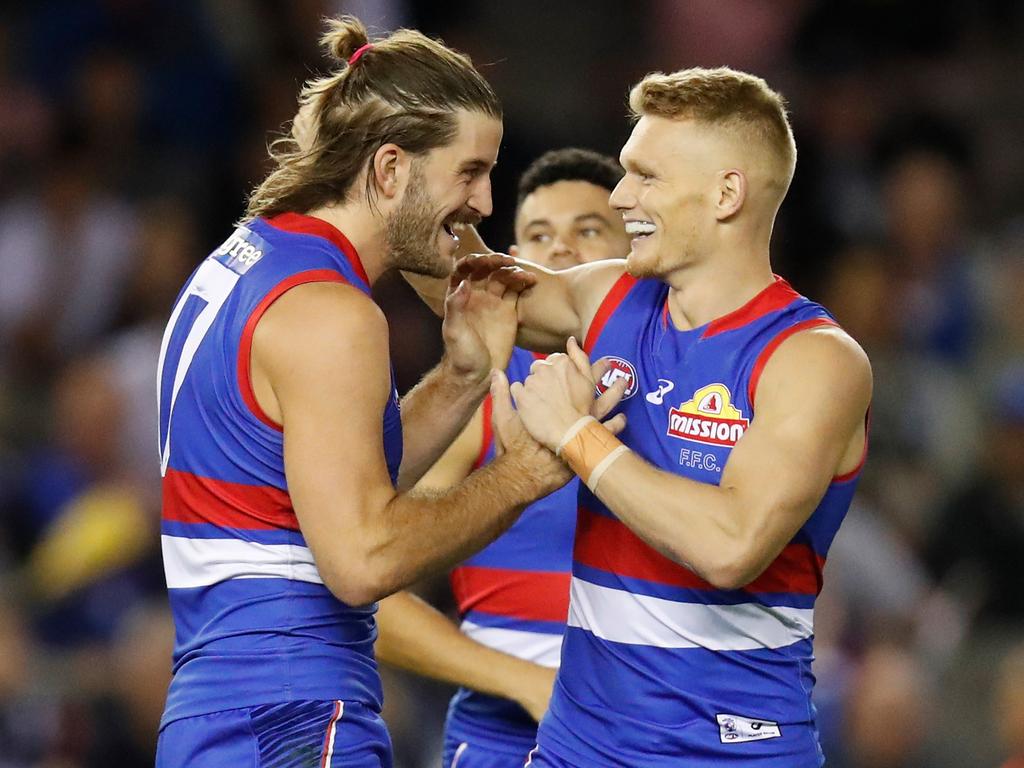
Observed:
{"x":514,"y":594}
{"x":254,"y":622}
{"x":659,"y":668}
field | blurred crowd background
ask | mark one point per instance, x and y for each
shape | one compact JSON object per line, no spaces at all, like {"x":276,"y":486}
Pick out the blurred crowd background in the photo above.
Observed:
{"x":131,"y":131}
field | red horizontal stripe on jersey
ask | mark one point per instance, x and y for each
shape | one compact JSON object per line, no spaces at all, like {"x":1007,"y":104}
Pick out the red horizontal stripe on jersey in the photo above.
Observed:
{"x":529,"y":595}
{"x":608,"y":545}
{"x":189,"y":498}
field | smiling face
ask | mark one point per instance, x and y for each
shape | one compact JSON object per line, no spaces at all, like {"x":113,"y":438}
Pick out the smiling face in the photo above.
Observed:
{"x":447,"y":185}
{"x":568,"y":223}
{"x":666,"y":198}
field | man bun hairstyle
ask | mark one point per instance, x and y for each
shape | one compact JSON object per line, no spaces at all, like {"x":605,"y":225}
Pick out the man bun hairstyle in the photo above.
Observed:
{"x":569,"y":164}
{"x":404,"y":89}
{"x":343,"y":37}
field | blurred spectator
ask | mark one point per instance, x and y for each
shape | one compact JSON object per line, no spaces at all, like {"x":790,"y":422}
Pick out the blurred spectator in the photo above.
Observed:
{"x":925,"y":186}
{"x":1008,"y":706}
{"x":887,"y":713}
{"x":130,"y":131}
{"x":978,"y":539}
{"x":64,"y":255}
{"x":28,"y":713}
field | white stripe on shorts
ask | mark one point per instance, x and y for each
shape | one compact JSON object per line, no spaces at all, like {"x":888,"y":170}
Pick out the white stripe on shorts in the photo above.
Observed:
{"x":332,"y":729}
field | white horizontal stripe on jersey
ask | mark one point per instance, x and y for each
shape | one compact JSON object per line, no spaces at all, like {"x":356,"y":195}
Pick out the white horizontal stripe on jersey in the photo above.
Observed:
{"x":201,"y":562}
{"x":624,"y":617}
{"x":539,"y":648}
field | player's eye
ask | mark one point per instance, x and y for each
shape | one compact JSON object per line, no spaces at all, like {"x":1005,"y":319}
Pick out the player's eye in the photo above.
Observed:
{"x":589,"y":232}
{"x":539,"y":238}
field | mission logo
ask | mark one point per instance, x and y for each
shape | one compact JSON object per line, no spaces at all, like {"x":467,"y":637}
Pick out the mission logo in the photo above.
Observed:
{"x":709,"y":417}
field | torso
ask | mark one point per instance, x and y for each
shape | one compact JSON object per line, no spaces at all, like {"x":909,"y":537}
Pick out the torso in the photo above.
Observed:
{"x":658,"y":665}
{"x":254,"y":622}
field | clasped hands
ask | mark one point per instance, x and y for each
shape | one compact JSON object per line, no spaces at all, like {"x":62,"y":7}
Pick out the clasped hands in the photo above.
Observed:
{"x":558,"y":392}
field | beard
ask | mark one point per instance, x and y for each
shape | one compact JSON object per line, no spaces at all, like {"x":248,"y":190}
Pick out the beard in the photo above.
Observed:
{"x":412,"y":231}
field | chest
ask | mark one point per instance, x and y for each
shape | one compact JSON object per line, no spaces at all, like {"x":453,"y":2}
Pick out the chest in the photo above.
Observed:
{"x":687,"y":402}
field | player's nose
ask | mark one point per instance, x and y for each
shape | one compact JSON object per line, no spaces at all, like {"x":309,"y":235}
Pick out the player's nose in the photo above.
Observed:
{"x":480,"y":200}
{"x":622,"y":197}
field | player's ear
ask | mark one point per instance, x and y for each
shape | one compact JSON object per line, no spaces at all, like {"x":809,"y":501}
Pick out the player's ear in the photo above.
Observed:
{"x":732,"y":192}
{"x":390,"y":169}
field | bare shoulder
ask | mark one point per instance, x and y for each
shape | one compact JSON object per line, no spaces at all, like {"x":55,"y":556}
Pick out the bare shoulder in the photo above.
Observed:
{"x":590,"y":284}
{"x":321,"y":316}
{"x":597,"y":277}
{"x":824,"y":360}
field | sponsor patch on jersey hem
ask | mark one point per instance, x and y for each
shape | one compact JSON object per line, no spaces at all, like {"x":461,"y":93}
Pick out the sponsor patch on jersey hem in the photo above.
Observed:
{"x":734,"y":729}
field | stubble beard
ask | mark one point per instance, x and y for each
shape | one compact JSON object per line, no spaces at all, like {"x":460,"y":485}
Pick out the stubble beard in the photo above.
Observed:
{"x":412,"y":232}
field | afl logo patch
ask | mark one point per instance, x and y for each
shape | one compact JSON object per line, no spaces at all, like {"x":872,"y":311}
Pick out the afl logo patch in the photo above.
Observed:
{"x":620,"y":369}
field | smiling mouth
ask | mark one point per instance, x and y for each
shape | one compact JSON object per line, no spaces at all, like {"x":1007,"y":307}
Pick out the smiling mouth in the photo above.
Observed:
{"x":638,"y":230}
{"x":450,"y":231}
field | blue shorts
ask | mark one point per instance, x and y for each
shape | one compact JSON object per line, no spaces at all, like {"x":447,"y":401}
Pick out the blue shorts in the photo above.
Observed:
{"x":296,"y":734}
{"x":538,"y":758}
{"x":481,"y":753}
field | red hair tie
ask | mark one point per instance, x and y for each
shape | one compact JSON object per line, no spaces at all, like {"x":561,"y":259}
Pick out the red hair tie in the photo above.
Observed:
{"x":359,"y":52}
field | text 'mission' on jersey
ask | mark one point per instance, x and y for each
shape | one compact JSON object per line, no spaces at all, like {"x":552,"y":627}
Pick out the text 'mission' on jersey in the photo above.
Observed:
{"x":659,"y":668}
{"x":513,"y":595}
{"x":254,"y":622}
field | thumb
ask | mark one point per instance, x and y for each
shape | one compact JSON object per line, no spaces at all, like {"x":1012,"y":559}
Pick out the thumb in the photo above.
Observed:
{"x":457,"y":298}
{"x":501,"y":409}
{"x":578,"y":356}
{"x":616,"y":424}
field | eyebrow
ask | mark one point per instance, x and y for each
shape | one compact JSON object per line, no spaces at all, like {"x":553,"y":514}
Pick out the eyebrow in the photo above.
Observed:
{"x":576,"y":220}
{"x":632,"y":165}
{"x":476,"y":166}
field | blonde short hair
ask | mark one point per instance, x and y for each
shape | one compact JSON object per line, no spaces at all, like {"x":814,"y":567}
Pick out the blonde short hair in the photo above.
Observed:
{"x":721,"y":97}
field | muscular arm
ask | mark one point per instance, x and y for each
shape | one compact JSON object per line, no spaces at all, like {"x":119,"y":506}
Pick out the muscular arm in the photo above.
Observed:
{"x":479,"y":329}
{"x":809,"y":426}
{"x":414,"y":636}
{"x":320,"y":367}
{"x":561,"y":304}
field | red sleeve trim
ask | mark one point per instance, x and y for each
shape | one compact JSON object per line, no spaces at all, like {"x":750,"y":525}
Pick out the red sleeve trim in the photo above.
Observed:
{"x":771,"y":346}
{"x":300,"y":224}
{"x":486,"y":435}
{"x":847,"y":476}
{"x":245,"y":345}
{"x":608,"y":306}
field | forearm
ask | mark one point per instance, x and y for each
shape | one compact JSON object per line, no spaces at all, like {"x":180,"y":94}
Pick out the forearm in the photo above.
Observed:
{"x":433,"y":414}
{"x":420,"y":533}
{"x":414,"y":636}
{"x":692,"y":523}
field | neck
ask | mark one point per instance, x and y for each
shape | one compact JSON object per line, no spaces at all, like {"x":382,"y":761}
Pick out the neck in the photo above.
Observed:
{"x":716,"y":286}
{"x":364,"y":230}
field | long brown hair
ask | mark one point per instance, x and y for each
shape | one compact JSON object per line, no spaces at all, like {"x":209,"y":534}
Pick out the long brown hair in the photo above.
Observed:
{"x":404,"y":89}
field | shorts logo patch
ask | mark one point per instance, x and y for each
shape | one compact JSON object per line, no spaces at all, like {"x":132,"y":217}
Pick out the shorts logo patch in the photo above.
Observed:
{"x":619,"y":369}
{"x":734,"y":729}
{"x":708,"y":417}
